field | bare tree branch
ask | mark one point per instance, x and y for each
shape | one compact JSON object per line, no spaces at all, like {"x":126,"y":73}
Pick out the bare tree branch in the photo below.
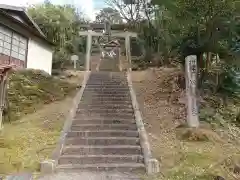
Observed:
{"x":131,"y":13}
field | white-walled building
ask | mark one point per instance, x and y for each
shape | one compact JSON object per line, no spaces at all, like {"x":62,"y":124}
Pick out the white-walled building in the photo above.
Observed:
{"x":22,"y":42}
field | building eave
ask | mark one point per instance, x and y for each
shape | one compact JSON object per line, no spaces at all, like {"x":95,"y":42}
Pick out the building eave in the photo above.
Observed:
{"x":27,"y":27}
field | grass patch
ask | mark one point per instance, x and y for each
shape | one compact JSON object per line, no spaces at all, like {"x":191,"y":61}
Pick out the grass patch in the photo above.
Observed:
{"x":38,"y":108}
{"x":28,"y":141}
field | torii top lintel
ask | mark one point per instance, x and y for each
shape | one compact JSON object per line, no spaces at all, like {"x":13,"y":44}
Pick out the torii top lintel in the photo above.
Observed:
{"x":101,"y":26}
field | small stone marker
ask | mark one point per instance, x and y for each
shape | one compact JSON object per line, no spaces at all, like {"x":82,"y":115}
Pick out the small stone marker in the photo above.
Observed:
{"x":191,"y":88}
{"x":153,"y":166}
{"x":75,"y":58}
{"x":48,"y":166}
{"x":23,"y":176}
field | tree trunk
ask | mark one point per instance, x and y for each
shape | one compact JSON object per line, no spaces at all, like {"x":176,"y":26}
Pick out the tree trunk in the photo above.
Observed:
{"x":200,"y":69}
{"x":208,"y":61}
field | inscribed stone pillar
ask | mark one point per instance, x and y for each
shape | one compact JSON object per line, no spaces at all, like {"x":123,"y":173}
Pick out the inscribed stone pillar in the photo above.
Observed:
{"x":191,"y":91}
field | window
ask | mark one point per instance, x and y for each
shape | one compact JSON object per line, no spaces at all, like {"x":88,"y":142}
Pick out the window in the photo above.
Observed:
{"x":12,"y":44}
{"x":19,"y":47}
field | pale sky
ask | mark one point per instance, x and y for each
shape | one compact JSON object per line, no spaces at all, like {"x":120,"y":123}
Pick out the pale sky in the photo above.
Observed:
{"x":88,"y":6}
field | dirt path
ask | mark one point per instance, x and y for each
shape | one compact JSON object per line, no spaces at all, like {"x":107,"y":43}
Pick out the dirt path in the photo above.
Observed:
{"x":163,"y":111}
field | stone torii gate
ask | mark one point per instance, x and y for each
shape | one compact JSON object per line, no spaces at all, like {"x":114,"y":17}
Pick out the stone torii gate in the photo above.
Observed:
{"x":110,"y":30}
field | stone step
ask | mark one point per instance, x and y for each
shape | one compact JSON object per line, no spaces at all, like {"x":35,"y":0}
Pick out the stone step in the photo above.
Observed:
{"x":107,"y":111}
{"x":98,"y":159}
{"x":123,"y":86}
{"x":85,"y":102}
{"x":102,"y":141}
{"x":121,"y":167}
{"x":93,"y":121}
{"x":106,"y":133}
{"x":104,"y":86}
{"x":111,"y":89}
{"x":110,"y":103}
{"x":100,"y":127}
{"x":109,"y":98}
{"x":83,"y":115}
{"x":105,"y":106}
{"x":114,"y":80}
{"x":107,"y":76}
{"x":106,"y":83}
{"x":101,"y":118}
{"x":107,"y":89}
{"x":106,"y":80}
{"x":106,"y":95}
{"x":105,"y":150}
{"x":111,"y":110}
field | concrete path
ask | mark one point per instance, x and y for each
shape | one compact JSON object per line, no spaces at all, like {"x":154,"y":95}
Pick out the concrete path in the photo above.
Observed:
{"x":90,"y":176}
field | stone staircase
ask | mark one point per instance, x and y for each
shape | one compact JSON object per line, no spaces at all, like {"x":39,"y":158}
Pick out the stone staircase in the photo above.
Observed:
{"x":103,"y":135}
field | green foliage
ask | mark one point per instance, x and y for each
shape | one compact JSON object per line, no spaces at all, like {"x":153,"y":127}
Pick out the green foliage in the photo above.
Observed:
{"x":60,"y":24}
{"x":189,"y":27}
{"x":231,"y":82}
{"x":139,"y":63}
{"x":29,"y":89}
{"x":219,"y":110}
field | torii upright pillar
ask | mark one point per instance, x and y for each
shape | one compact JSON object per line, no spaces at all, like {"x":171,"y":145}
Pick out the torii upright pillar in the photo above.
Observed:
{"x":88,"y":53}
{"x":128,"y":51}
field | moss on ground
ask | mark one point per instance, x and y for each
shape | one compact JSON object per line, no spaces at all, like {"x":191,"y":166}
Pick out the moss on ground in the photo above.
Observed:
{"x":30,"y":89}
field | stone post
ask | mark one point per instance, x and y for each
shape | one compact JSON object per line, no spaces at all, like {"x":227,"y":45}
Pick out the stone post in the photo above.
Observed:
{"x":74,"y":58}
{"x":191,"y":91}
{"x":2,"y":98}
{"x":3,"y":89}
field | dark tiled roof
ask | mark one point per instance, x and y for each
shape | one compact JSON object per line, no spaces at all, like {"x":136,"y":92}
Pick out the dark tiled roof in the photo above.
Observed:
{"x":30,"y":25}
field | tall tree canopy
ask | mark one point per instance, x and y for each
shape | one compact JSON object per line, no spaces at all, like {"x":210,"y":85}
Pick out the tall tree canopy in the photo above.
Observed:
{"x":61,"y":25}
{"x":109,"y":14}
{"x":177,"y":28}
